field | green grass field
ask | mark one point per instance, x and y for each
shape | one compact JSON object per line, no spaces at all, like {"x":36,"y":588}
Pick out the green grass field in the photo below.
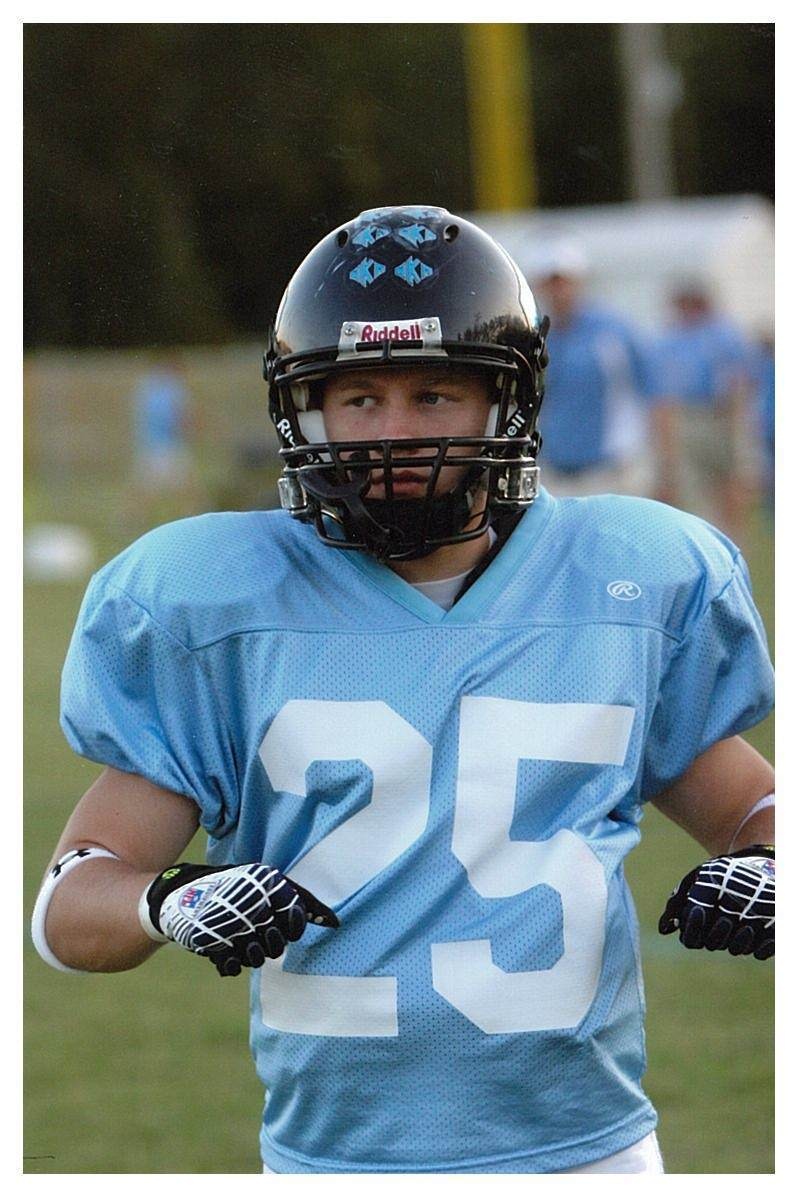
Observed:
{"x":150,"y":1072}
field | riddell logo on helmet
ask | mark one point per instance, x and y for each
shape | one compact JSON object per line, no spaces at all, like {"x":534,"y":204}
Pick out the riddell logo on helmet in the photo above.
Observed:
{"x":404,"y":336}
{"x":403,"y":331}
{"x":517,"y":421}
{"x":285,"y":429}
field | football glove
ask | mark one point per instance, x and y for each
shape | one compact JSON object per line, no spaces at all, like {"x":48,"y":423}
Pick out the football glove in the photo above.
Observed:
{"x":235,"y":915}
{"x":727,"y":903}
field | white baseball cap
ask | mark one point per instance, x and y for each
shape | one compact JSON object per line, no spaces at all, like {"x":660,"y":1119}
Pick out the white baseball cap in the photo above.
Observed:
{"x":562,"y":257}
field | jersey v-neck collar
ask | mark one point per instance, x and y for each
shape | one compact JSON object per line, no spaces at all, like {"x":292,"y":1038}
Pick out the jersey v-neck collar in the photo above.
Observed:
{"x":477,"y":598}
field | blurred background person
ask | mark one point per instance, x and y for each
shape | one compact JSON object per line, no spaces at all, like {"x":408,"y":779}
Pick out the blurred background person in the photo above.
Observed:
{"x":764,"y":405}
{"x":705,"y":421}
{"x":164,"y":480}
{"x":600,"y":381}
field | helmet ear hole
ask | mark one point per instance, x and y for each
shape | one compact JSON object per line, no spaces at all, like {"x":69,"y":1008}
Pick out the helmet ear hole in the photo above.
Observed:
{"x":342,"y":237}
{"x":450,"y":233}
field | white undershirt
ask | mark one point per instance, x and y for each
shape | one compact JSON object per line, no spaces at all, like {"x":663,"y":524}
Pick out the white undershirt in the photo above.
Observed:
{"x":444,"y":591}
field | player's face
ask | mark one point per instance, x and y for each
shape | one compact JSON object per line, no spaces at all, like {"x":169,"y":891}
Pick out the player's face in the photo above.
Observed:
{"x":560,"y":294}
{"x":412,"y":402}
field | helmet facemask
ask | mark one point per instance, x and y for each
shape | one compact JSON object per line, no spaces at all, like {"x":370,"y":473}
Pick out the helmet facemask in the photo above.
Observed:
{"x":329,"y":482}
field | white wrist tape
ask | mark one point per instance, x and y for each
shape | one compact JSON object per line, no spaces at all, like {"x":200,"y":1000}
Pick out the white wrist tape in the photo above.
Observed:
{"x":764,"y":802}
{"x":144,"y":918}
{"x":53,"y":878}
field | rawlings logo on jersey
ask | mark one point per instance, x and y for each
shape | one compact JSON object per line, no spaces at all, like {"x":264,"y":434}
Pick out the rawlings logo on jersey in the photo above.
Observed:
{"x":624,"y":589}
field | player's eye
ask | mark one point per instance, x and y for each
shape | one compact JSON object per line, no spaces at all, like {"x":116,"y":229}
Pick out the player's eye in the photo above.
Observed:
{"x":432,"y":399}
{"x":361,"y":401}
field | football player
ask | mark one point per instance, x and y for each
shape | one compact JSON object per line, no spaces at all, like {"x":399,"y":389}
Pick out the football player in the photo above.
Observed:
{"x":418,"y":713}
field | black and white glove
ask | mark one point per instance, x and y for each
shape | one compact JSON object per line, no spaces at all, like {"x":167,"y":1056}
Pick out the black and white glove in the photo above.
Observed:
{"x":727,"y":903}
{"x":235,"y":915}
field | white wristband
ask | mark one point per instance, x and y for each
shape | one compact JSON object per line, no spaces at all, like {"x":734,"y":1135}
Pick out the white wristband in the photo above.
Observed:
{"x":145,"y":920}
{"x":53,"y":878}
{"x":764,"y":802}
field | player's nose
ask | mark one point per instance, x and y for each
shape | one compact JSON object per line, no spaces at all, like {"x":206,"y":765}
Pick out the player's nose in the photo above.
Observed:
{"x":399,"y":420}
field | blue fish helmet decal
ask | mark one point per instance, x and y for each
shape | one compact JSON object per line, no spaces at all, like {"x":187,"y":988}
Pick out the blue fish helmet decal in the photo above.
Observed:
{"x":369,"y":235}
{"x":367,"y":271}
{"x":377,"y":251}
{"x":413,"y":271}
{"x":416,"y":234}
{"x":380,"y":266}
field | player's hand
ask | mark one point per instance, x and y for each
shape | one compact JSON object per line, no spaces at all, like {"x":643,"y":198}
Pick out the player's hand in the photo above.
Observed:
{"x":235,"y":915}
{"x":727,"y":903}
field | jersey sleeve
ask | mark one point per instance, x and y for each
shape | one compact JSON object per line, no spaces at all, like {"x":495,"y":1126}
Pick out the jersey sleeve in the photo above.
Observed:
{"x":133,"y":697}
{"x":718,"y":682}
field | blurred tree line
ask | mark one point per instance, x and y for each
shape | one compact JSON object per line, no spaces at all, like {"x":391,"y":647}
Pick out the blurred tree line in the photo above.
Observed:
{"x":176,"y":174}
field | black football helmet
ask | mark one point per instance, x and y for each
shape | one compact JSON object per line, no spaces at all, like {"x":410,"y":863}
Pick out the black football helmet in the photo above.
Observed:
{"x":405,"y":286}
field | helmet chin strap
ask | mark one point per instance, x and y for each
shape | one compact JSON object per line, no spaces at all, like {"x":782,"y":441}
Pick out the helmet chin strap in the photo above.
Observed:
{"x":349,"y":495}
{"x":391,"y":528}
{"x":415,"y":520}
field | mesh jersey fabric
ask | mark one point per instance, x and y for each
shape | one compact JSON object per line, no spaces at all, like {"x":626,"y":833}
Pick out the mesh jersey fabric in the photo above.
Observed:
{"x":461,"y":786}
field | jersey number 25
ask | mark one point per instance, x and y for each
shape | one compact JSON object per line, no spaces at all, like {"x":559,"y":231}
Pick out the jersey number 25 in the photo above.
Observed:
{"x":399,"y":757}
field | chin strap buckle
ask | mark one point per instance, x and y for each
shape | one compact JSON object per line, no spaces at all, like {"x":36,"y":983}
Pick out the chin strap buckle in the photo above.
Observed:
{"x":518,"y":485}
{"x":293,"y":496}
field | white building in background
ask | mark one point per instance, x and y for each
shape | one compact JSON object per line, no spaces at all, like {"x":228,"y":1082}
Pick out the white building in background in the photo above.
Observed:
{"x":638,"y":252}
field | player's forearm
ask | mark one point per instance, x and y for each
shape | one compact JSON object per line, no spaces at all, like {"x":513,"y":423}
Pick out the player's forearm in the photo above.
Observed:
{"x":93,"y":921}
{"x":714,"y":798}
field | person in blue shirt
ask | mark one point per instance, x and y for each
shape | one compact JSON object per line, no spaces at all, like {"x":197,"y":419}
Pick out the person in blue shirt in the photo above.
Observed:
{"x":763,"y":370}
{"x":707,"y":435}
{"x":418,"y":711}
{"x":595,"y":425}
{"x":163,"y":421}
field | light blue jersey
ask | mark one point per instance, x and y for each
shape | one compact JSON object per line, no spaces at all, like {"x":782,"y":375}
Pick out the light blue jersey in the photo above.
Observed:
{"x":600,"y":382}
{"x":462,"y":787}
{"x":699,"y":362}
